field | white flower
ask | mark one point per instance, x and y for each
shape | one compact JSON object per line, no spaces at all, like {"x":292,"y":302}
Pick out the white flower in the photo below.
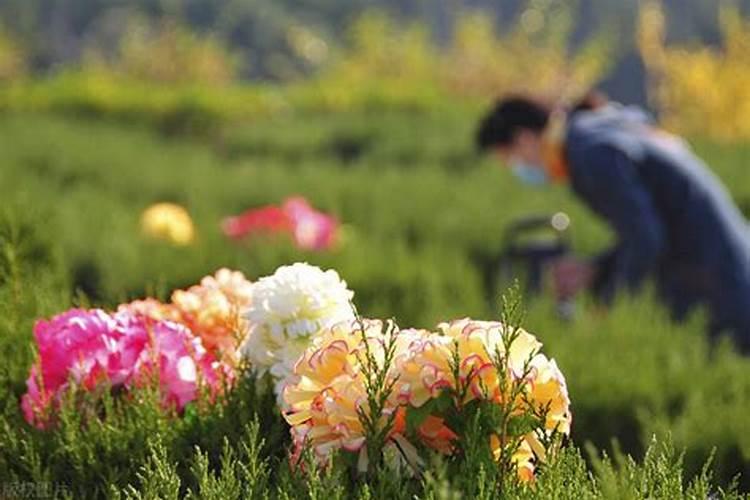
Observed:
{"x":287,"y":310}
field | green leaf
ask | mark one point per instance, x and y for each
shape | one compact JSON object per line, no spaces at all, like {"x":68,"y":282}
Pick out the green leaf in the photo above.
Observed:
{"x":190,"y":415}
{"x":520,"y":425}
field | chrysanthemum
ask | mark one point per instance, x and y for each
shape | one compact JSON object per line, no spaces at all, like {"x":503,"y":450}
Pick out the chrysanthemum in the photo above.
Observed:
{"x":427,"y":370}
{"x":469,"y":358}
{"x":213,"y":310}
{"x":288,"y":309}
{"x":77,"y":345}
{"x":94,"y":349}
{"x":151,"y":308}
{"x":170,"y":353}
{"x":523,"y":457}
{"x":324,"y":401}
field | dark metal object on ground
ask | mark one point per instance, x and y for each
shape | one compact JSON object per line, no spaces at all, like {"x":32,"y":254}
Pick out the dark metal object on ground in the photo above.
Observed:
{"x":531,"y":244}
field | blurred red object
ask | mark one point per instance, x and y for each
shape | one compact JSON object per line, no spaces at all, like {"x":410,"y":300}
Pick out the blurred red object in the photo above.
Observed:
{"x":310,"y":229}
{"x":268,"y":219}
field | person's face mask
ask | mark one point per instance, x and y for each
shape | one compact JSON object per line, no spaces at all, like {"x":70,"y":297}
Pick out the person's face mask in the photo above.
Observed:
{"x":525,"y":157}
{"x":529,"y":173}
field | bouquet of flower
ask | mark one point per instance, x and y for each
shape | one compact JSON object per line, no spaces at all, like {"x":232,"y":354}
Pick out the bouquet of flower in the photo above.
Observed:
{"x":347,"y":386}
{"x":93,"y":350}
{"x":492,"y":375}
{"x":433,"y":387}
{"x":341,"y":398}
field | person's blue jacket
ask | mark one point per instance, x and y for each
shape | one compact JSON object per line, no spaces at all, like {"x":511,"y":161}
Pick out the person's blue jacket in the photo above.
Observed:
{"x":675,"y":222}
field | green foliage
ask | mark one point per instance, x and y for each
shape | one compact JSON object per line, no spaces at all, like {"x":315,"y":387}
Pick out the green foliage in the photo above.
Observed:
{"x":424,"y":220}
{"x":158,"y":477}
{"x":660,"y":476}
{"x":378,"y":384}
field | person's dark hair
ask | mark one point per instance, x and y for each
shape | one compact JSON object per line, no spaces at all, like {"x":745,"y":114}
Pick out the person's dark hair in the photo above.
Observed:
{"x":510,"y":115}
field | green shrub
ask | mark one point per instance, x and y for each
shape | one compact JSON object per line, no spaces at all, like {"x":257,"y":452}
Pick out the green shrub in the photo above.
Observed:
{"x":423,"y":218}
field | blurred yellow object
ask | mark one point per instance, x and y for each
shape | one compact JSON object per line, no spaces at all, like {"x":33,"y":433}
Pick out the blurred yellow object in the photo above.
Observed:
{"x":700,"y":91}
{"x":167,"y":221}
{"x":12,"y":58}
{"x":400,"y":63}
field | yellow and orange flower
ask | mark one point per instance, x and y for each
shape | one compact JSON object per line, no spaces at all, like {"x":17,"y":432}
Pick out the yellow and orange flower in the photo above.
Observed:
{"x":470,"y":359}
{"x":329,"y":391}
{"x":548,"y":389}
{"x":523,"y":457}
{"x":426,"y":370}
{"x":151,"y":308}
{"x":213,"y":310}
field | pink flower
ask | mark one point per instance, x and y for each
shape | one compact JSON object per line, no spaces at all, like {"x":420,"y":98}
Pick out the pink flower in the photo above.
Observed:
{"x":75,"y":345}
{"x":170,"y":351}
{"x":93,"y":348}
{"x":313,"y":230}
{"x":310,"y":229}
{"x":37,"y":401}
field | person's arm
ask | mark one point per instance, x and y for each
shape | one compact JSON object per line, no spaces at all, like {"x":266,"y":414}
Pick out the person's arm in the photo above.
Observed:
{"x":611,"y":186}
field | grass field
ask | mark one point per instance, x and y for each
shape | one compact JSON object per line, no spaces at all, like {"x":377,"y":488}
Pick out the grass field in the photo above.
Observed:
{"x":423,"y":213}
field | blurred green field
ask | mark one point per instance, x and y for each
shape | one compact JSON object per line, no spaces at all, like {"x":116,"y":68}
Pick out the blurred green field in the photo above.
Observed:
{"x":423,"y":213}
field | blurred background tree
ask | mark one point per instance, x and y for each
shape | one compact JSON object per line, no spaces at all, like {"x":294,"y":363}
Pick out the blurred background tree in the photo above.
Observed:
{"x":12,"y":58}
{"x":698,"y":88}
{"x":480,"y":61}
{"x":167,"y":52}
{"x":265,"y":35}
